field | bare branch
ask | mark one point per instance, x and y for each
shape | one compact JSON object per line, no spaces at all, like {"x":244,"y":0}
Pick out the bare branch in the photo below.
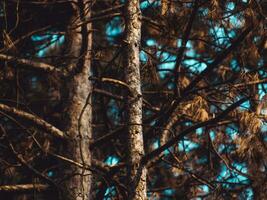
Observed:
{"x":30,"y":63}
{"x":33,"y":119}
{"x":23,"y":187}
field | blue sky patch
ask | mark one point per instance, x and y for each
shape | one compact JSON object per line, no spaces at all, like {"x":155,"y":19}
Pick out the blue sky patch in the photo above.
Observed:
{"x":149,"y":3}
{"x":112,"y":160}
{"x":47,"y":42}
{"x":231,"y":176}
{"x":187,"y":145}
{"x":114,"y":28}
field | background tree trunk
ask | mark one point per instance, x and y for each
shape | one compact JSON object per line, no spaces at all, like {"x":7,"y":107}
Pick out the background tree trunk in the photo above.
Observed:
{"x":79,"y":112}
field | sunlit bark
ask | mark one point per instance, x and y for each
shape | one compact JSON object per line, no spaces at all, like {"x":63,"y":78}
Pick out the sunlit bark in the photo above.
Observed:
{"x":137,"y":174}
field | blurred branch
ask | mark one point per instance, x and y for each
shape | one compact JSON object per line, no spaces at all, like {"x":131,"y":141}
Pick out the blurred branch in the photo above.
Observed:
{"x":152,"y":155}
{"x":23,"y":187}
{"x":111,"y":80}
{"x":185,"y":38}
{"x":107,"y":10}
{"x":115,"y":133}
{"x":121,"y":98}
{"x":219,"y":59}
{"x":30,"y":63}
{"x":33,"y":119}
{"x":21,"y":160}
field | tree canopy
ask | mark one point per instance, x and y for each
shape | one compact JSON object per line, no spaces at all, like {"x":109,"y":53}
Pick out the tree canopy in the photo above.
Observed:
{"x":149,"y":99}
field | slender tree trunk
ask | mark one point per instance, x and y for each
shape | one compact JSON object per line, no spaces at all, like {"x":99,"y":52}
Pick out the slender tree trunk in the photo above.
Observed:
{"x":79,"y":112}
{"x":136,"y":173}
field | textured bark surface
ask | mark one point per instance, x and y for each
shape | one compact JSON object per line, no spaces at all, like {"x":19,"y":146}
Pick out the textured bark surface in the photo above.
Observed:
{"x":137,"y":173}
{"x":79,"y":106}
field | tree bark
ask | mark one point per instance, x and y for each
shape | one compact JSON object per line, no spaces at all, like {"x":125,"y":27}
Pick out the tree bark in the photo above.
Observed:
{"x":79,"y":112}
{"x":136,"y":172}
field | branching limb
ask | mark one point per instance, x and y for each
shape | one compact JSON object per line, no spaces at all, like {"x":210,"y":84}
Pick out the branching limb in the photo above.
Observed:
{"x":149,"y":157}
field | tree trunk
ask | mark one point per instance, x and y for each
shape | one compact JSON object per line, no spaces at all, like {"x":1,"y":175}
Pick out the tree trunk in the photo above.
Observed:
{"x":79,"y":112}
{"x":136,"y":172}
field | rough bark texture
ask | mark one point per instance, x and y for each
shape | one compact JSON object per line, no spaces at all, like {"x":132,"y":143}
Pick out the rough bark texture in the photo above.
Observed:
{"x":79,"y":108}
{"x":137,"y":173}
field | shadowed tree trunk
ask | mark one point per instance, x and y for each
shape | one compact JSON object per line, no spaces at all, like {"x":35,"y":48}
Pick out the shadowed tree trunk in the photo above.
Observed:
{"x":79,"y":107}
{"x":136,"y":173}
